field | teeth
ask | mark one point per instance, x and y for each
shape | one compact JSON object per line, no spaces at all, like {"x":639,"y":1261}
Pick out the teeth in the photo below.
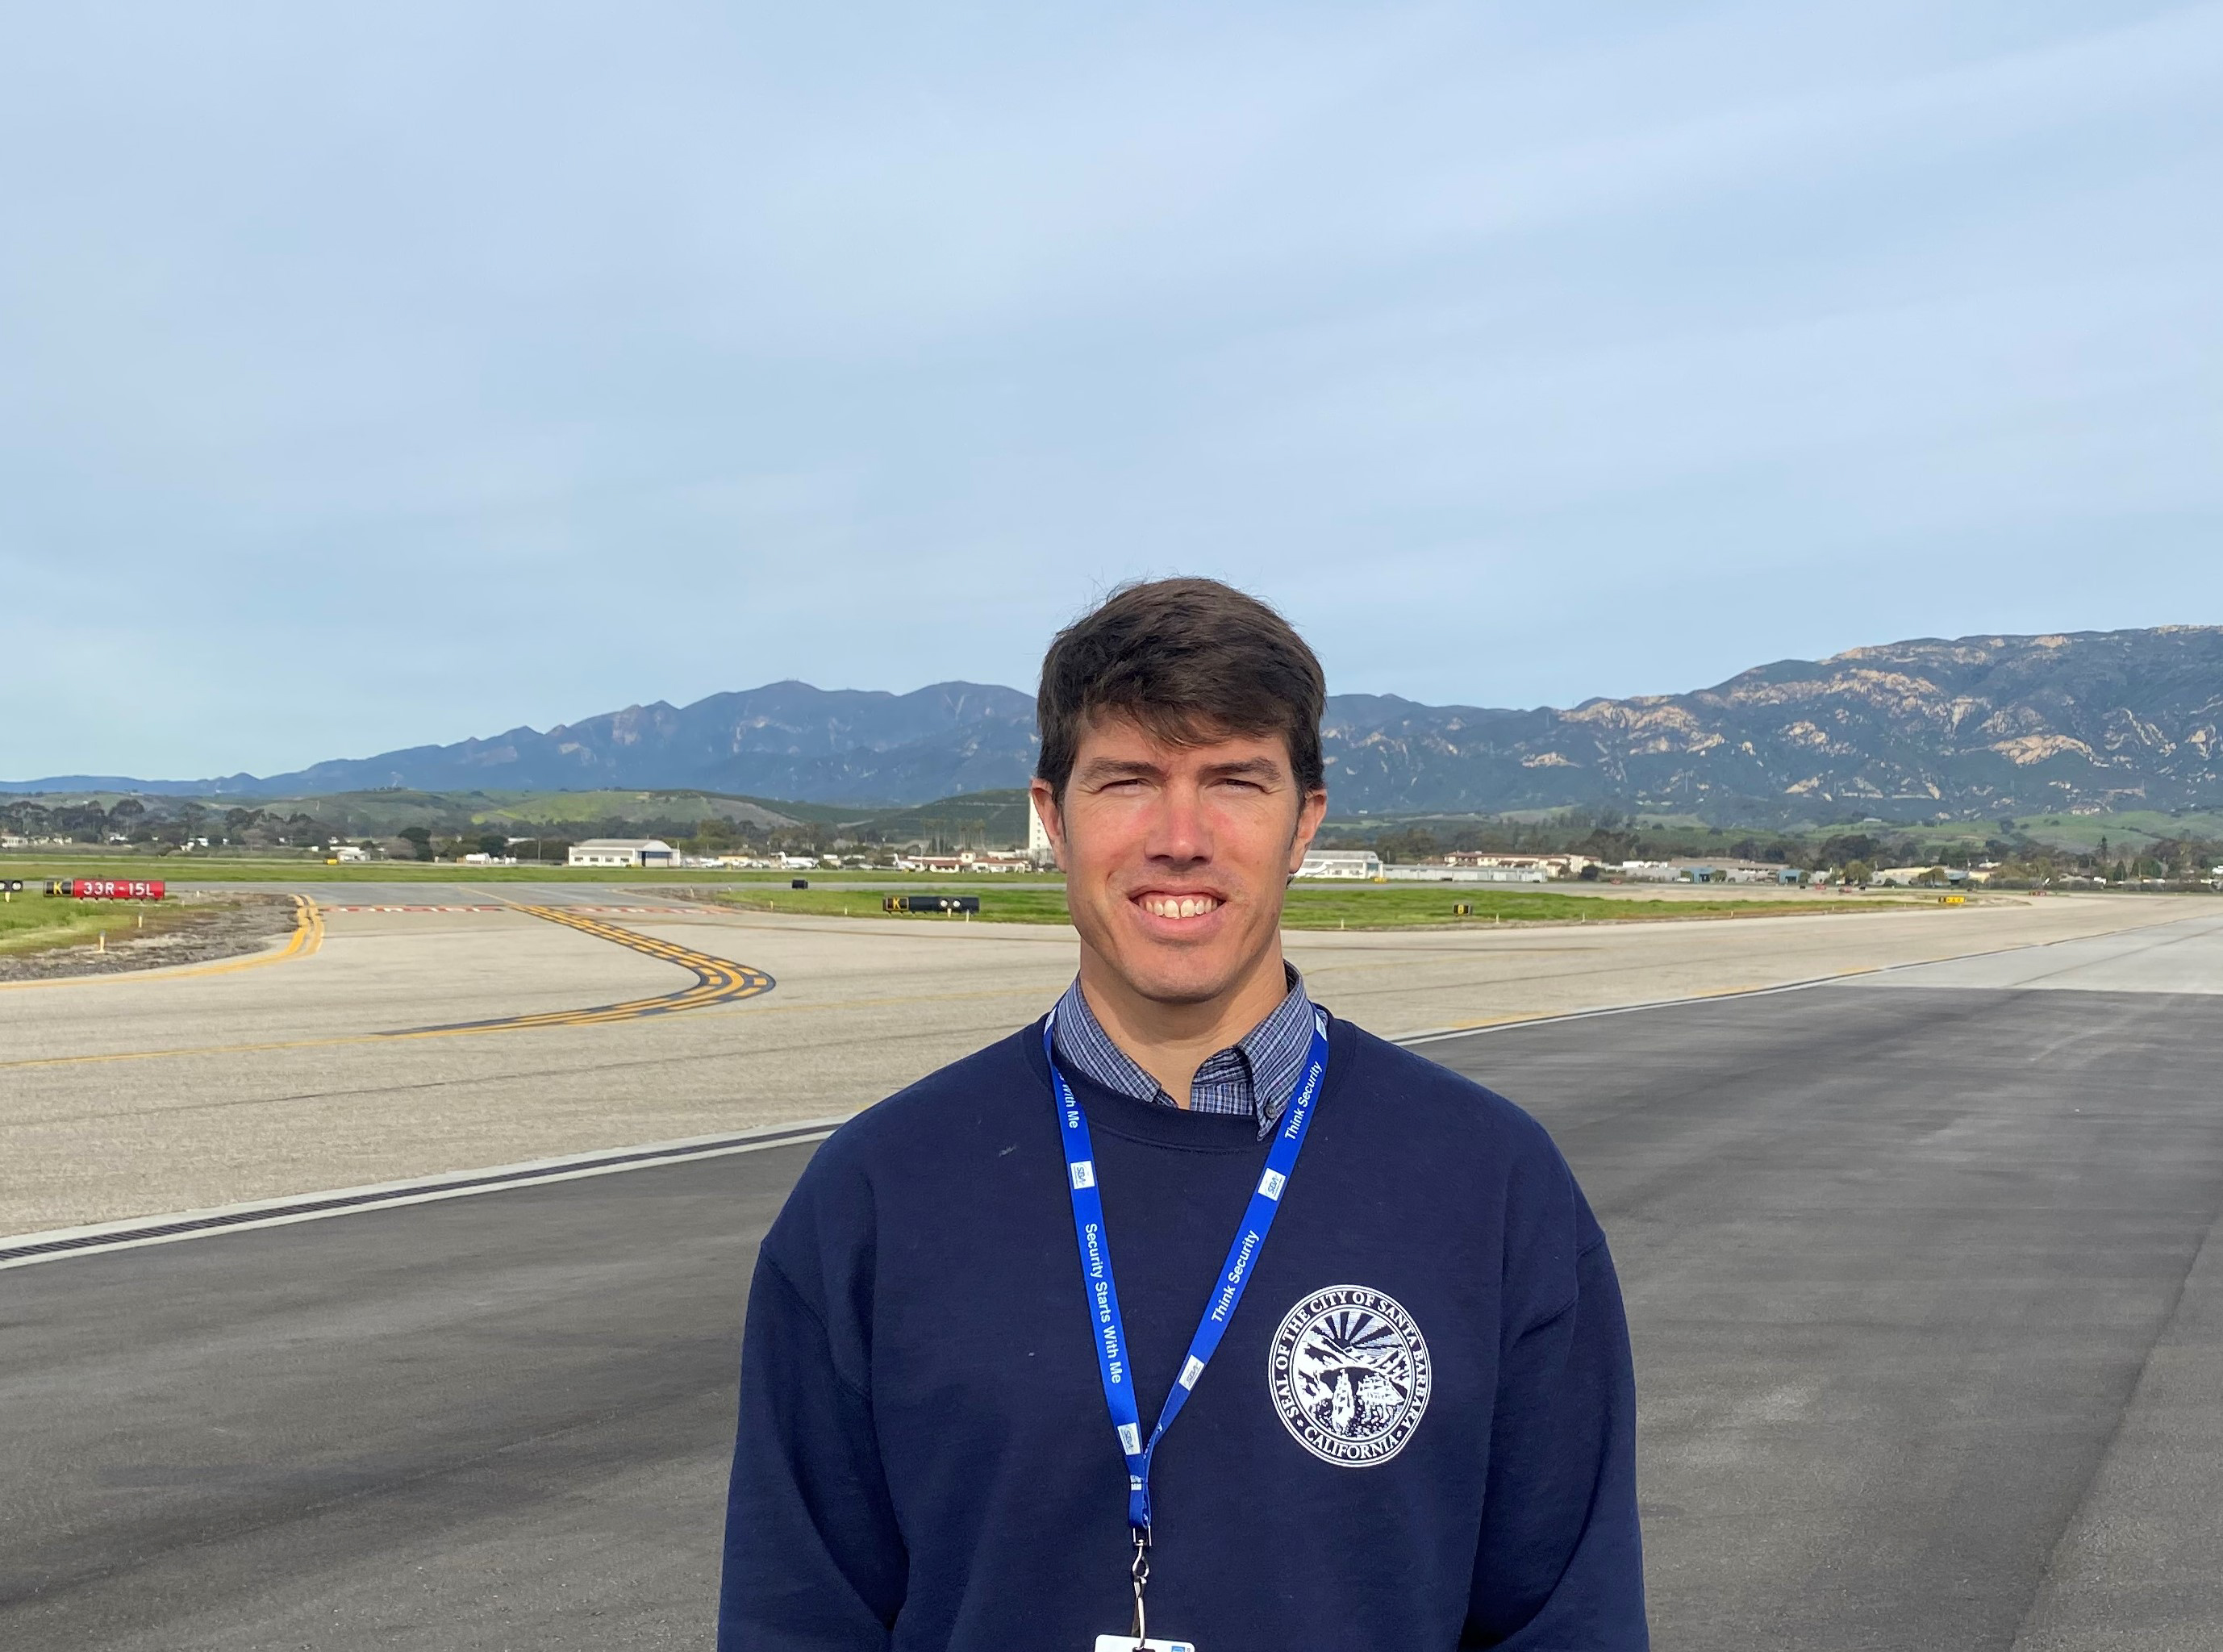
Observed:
{"x":1180,"y":906}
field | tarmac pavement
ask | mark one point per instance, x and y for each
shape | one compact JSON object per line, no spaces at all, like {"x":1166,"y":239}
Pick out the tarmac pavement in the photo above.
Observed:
{"x":436,"y":1028}
{"x":1922,"y":1276}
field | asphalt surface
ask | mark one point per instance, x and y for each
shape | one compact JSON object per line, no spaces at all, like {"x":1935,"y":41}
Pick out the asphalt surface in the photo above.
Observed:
{"x":421,"y":1029}
{"x":1924,"y":1279}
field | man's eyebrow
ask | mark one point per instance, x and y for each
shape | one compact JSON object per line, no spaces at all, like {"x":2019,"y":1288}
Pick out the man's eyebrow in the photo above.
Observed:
{"x":1265,"y":767}
{"x":1115,"y":767}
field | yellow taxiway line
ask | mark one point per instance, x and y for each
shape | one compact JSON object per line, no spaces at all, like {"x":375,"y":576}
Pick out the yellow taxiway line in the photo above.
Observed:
{"x":717,"y":980}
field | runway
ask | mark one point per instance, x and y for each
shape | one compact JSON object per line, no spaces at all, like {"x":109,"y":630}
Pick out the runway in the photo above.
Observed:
{"x":437,"y":1028}
{"x":1922,"y":1276}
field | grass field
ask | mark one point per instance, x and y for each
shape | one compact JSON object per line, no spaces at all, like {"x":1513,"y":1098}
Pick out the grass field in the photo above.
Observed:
{"x":2128,"y":832}
{"x":1370,"y":907}
{"x":30,"y":922}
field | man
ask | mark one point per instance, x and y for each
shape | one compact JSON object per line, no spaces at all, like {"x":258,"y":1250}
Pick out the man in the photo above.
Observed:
{"x":1393,"y":1413}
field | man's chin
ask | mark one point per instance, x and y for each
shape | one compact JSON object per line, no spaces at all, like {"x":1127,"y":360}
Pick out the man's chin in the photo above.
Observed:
{"x":1176,"y":974}
{"x":1181,"y":998}
{"x":1182,"y":988}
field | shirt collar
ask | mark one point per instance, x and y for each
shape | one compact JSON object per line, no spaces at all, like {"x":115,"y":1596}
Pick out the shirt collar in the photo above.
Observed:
{"x":1254,"y":1076}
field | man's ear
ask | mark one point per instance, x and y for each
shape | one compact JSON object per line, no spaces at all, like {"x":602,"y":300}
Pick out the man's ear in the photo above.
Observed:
{"x":1044,"y":799}
{"x":1310,"y":813}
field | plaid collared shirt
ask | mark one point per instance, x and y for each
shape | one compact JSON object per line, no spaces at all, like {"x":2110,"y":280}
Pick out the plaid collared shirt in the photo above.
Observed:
{"x":1253,"y":1078}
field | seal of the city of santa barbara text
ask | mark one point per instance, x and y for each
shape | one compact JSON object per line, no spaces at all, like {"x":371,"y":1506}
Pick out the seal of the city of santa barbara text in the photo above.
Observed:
{"x":1349,"y":1373}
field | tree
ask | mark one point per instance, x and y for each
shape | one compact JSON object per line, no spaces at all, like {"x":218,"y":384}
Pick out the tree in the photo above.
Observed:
{"x":714,"y":835}
{"x":1850,"y":846}
{"x":1859,"y":871}
{"x":419,"y":839}
{"x":1412,"y":845}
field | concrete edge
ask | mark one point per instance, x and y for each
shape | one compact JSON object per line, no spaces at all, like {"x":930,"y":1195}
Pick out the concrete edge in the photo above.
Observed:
{"x":25,"y":1249}
{"x":1437,"y":1035}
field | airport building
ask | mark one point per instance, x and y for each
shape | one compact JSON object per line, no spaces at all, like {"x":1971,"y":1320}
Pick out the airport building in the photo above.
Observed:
{"x":1907,"y":877}
{"x":967,"y":860}
{"x":1703,"y":872}
{"x":1435,"y":874}
{"x":623,"y":852}
{"x":1552,"y":866}
{"x":1341,"y":863}
{"x":1038,"y":845}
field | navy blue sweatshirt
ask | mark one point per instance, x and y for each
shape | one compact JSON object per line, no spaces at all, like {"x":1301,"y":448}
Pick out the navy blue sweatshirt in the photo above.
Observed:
{"x":1418,"y":1435}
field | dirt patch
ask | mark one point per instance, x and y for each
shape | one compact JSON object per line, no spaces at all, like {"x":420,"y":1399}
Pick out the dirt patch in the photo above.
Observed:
{"x":197,"y":928}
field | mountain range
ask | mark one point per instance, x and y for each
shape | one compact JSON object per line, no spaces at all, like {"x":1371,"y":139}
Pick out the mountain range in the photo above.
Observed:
{"x":1971,"y":728}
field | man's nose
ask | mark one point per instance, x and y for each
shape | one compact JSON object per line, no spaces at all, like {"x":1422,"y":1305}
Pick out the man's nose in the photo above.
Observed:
{"x":1178,"y":830}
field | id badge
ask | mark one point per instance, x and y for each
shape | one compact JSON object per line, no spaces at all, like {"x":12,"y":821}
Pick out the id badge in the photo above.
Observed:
{"x":1129,"y":1643}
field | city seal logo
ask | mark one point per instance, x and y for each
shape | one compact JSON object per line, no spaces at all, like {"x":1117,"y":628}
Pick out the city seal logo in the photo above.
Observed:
{"x":1349,"y":1373}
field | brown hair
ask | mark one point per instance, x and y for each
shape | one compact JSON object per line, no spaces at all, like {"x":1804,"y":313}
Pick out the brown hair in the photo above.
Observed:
{"x":1189,"y":660}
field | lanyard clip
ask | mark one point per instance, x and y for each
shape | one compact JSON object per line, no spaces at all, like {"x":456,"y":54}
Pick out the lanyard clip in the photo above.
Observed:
{"x":1140,"y":1572}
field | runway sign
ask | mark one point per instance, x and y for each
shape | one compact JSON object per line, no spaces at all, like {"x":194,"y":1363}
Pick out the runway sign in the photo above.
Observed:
{"x":105,"y":888}
{"x":930,"y":902}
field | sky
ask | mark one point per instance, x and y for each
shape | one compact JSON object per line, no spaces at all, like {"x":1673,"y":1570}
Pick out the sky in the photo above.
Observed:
{"x":374,"y":377}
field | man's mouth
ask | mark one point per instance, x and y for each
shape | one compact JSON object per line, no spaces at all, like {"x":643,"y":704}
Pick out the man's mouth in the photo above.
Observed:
{"x":1178,"y":905}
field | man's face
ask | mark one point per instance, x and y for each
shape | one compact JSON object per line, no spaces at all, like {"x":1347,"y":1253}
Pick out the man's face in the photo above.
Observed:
{"x":1176,"y":857}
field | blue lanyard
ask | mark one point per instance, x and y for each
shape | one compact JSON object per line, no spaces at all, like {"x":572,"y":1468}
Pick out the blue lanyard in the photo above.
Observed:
{"x":1234,"y":1276}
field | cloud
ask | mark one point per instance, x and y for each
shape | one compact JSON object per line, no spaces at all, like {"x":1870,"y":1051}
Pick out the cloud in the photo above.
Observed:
{"x":395,"y":376}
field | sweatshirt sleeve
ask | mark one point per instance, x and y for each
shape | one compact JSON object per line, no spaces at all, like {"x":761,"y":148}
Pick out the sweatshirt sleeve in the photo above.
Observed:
{"x":1560,"y":1562}
{"x":814,"y":1561}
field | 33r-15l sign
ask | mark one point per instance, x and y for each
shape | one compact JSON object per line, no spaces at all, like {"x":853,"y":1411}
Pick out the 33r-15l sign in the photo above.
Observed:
{"x":105,"y":888}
